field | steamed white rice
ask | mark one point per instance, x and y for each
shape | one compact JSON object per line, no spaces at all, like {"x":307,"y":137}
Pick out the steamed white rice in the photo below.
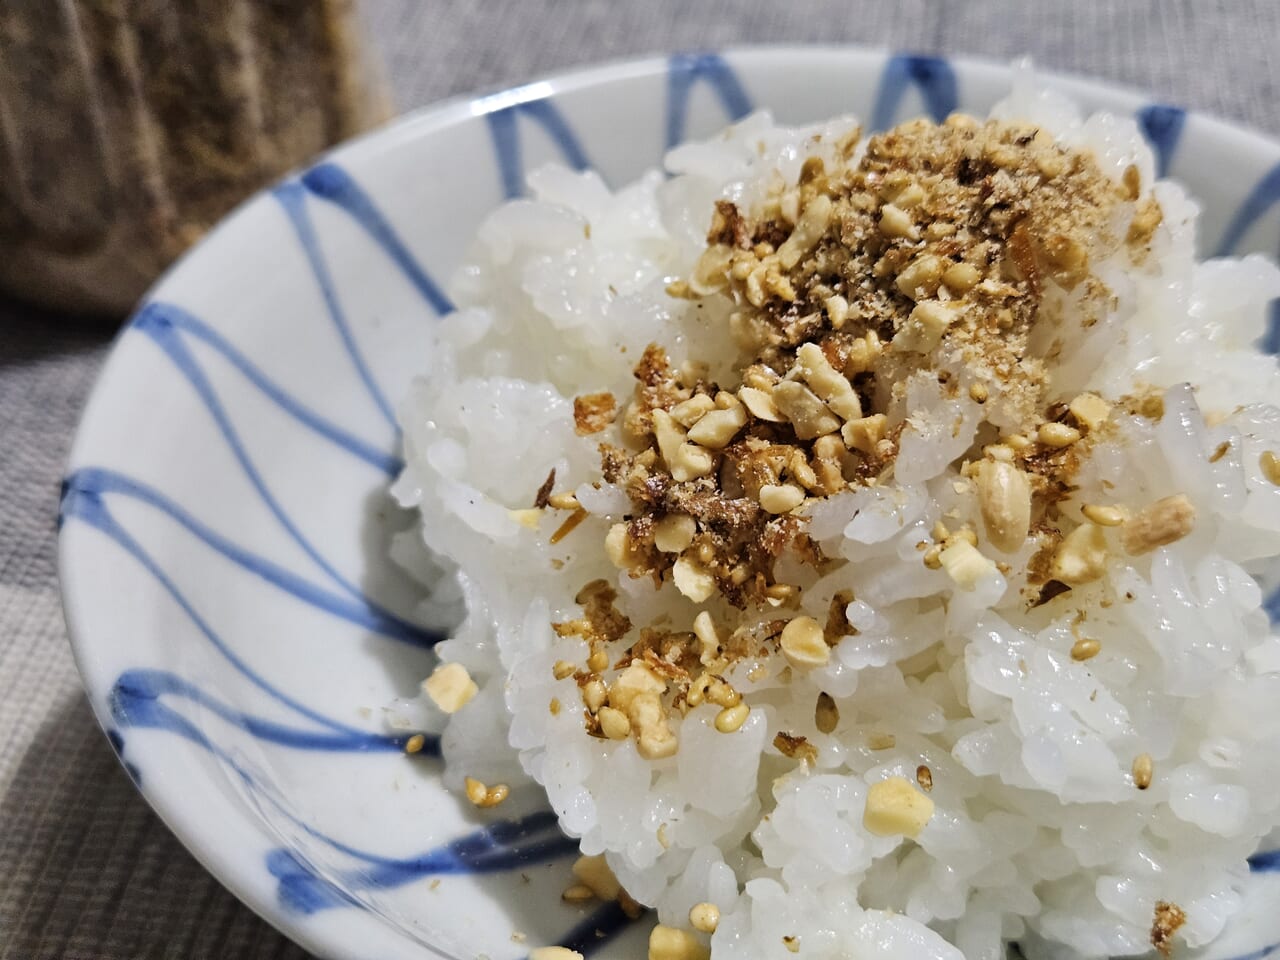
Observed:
{"x":1038,"y":833}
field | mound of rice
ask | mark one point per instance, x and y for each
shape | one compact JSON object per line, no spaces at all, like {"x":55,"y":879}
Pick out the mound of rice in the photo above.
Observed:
{"x":1095,"y":768}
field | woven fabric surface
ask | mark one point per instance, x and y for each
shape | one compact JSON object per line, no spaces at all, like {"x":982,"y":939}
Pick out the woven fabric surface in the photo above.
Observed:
{"x":86,"y":870}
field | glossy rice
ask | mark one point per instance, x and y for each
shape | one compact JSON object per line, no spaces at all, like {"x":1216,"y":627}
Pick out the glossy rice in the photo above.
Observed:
{"x":1039,"y":833}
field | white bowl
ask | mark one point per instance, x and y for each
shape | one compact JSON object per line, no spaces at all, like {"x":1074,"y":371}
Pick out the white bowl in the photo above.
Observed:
{"x":225,"y":523}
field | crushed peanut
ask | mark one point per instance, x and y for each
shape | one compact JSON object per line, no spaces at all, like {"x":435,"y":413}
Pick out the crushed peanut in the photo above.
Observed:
{"x":1169,"y":918}
{"x":1082,"y":556}
{"x":450,"y":687}
{"x":933,"y":245}
{"x":795,"y":748}
{"x":895,"y":806}
{"x":671,"y":943}
{"x":1164,"y":522}
{"x":964,"y":563}
{"x":596,"y":875}
{"x":593,"y":412}
{"x":554,"y":953}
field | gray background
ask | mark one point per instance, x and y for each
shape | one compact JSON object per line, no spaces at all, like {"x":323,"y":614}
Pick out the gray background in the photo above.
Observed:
{"x":86,"y":870}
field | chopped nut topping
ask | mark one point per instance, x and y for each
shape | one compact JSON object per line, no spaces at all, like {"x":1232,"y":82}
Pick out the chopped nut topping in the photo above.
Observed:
{"x":450,"y":687}
{"x":596,"y":875}
{"x":1169,"y":918}
{"x":669,"y":943}
{"x":693,"y":580}
{"x":895,"y":806}
{"x":795,"y":747}
{"x":781,"y":497}
{"x":593,"y":412}
{"x":925,"y":258}
{"x":964,"y":564}
{"x":578,"y":893}
{"x":674,"y":532}
{"x":1164,"y":522}
{"x":554,"y":953}
{"x":1090,"y":411}
{"x":1082,"y":556}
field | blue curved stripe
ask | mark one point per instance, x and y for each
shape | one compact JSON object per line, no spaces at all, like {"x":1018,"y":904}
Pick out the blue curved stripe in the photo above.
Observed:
{"x":933,"y":76}
{"x":169,"y":340}
{"x":331,"y":182}
{"x":89,"y":508}
{"x":364,"y":613}
{"x":161,"y":318}
{"x":684,"y":72}
{"x":1264,"y":195}
{"x":507,"y":149}
{"x":1161,"y":124}
{"x":1265,"y":862}
{"x":293,"y":198}
{"x":135,"y":701}
{"x":499,"y":847}
{"x":596,"y":930}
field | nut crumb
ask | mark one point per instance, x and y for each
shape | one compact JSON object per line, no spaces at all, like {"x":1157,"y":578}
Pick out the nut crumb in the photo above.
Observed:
{"x":1169,"y":918}
{"x":593,"y":412}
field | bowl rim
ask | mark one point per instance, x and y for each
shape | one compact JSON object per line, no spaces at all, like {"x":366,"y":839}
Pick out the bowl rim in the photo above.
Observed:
{"x":224,"y":865}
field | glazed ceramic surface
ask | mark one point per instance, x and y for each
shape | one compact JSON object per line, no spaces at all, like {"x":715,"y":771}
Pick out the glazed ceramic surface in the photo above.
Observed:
{"x":225,"y":521}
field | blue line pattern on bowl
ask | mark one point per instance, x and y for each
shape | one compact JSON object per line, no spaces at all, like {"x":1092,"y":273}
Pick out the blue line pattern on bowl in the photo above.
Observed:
{"x":506,"y":140}
{"x":684,"y":72}
{"x":146,"y":698}
{"x":1161,"y":125}
{"x":933,"y":76}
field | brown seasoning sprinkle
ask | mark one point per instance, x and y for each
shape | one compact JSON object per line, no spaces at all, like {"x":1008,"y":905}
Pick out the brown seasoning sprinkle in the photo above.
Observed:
{"x":942,"y":245}
{"x":1169,"y":917}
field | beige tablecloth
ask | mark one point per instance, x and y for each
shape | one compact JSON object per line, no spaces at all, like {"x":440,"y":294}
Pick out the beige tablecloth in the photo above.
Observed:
{"x":86,"y":870}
